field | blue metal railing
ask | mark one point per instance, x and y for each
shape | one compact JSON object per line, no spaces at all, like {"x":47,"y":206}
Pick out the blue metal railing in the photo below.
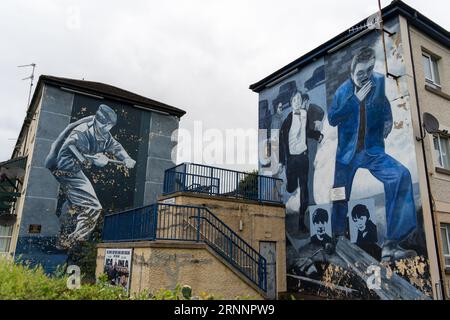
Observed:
{"x":190,"y":177}
{"x":187,"y":223}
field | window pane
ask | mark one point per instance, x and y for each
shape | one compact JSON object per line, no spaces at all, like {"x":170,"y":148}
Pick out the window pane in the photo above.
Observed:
{"x":444,"y":240}
{"x":427,"y":67}
{"x":445,"y":150}
{"x":437,"y":151}
{"x":4,"y":244}
{"x":5,"y":231}
{"x":447,"y":262}
{"x":436,"y":71}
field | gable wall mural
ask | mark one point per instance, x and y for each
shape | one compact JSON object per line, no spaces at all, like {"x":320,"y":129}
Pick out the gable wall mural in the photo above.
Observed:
{"x":339,"y":134}
{"x":91,"y":157}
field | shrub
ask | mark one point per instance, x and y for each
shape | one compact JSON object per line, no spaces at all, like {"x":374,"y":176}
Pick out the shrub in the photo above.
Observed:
{"x":23,"y":282}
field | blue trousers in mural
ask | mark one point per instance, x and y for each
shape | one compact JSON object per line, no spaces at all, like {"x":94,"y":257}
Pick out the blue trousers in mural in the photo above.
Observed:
{"x":400,"y":208}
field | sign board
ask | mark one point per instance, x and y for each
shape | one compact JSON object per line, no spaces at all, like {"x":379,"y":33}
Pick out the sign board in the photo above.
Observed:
{"x":34,"y":228}
{"x":118,"y":267}
{"x":337,"y":194}
{"x":169,"y":201}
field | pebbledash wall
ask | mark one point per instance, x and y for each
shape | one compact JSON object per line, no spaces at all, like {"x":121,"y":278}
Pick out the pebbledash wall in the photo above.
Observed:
{"x":435,"y":100}
{"x":371,"y":196}
{"x":56,"y":197}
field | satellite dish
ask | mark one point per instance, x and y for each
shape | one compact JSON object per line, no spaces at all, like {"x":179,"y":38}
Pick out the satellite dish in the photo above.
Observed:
{"x":7,"y":219}
{"x":430,"y":123}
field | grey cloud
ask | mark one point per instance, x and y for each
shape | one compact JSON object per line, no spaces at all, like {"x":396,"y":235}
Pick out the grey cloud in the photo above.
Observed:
{"x":199,"y":55}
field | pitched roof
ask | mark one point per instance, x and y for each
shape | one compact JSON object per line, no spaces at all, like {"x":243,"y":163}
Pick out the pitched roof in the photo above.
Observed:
{"x":397,"y":7}
{"x":94,"y":88}
{"x":111,"y":92}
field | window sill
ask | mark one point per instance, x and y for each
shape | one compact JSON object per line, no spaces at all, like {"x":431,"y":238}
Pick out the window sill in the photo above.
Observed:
{"x":436,"y":90}
{"x":442,"y":170}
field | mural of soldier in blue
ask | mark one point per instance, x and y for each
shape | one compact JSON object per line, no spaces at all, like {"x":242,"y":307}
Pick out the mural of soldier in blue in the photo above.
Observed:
{"x":362,"y":114}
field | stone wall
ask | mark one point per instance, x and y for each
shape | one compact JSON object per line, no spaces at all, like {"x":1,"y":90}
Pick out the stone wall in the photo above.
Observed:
{"x":252,"y":221}
{"x":163,"y":265}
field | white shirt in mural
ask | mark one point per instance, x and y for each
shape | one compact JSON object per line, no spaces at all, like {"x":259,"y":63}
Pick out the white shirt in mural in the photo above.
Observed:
{"x":297,"y":133}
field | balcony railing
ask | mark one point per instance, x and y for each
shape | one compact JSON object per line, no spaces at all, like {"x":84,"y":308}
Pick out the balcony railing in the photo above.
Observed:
{"x":197,"y":178}
{"x":187,"y":223}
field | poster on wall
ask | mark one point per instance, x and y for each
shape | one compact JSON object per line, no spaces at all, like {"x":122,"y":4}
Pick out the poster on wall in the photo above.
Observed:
{"x":117,"y":267}
{"x":339,"y":134}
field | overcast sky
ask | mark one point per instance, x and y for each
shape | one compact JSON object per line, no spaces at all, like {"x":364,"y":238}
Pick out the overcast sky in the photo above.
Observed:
{"x":198,"y":55}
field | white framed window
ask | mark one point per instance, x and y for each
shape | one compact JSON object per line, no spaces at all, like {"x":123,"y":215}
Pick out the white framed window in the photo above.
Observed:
{"x":431,"y":70}
{"x":442,"y":151}
{"x":5,"y":238}
{"x":445,"y":236}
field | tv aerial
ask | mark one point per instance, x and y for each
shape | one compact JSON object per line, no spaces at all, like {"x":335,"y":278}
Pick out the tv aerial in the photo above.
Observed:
{"x":375,"y":22}
{"x":372,"y":23}
{"x":31,"y":77}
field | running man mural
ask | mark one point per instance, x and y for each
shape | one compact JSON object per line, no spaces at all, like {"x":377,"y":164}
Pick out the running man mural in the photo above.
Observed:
{"x":355,"y":160}
{"x":83,"y":143}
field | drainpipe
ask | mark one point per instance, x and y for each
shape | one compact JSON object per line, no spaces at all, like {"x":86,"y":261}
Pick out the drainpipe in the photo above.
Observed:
{"x":430,"y":196}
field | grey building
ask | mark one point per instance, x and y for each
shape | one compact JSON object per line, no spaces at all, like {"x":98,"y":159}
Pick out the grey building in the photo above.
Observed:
{"x":363,"y":177}
{"x":85,"y":149}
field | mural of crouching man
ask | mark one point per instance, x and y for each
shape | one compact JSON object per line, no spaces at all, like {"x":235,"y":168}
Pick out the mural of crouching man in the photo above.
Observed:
{"x":363,"y":116}
{"x":80,"y":145}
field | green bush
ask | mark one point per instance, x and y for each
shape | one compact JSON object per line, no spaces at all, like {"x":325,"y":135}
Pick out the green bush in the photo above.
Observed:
{"x":22,"y":282}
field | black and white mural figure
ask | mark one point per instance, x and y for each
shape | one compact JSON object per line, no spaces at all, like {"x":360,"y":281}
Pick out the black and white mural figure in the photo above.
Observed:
{"x":320,"y":227}
{"x":264,"y":124}
{"x":363,"y":228}
{"x":83,"y":143}
{"x":302,"y":123}
{"x":276,"y":122}
{"x":366,"y":229}
{"x":362,"y":113}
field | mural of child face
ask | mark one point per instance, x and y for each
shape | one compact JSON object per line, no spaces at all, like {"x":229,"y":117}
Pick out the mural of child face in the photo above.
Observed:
{"x":320,"y":229}
{"x":361,"y":223}
{"x":362,"y":73}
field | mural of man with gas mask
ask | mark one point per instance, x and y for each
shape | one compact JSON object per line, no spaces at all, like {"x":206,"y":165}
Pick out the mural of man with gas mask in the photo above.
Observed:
{"x":82,"y":144}
{"x":362,"y":114}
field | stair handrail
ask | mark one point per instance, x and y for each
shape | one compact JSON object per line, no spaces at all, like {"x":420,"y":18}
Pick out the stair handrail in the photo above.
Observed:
{"x":235,"y":241}
{"x":245,"y":247}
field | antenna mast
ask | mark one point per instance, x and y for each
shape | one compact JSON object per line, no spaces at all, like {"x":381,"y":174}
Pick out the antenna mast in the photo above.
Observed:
{"x":31,"y":77}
